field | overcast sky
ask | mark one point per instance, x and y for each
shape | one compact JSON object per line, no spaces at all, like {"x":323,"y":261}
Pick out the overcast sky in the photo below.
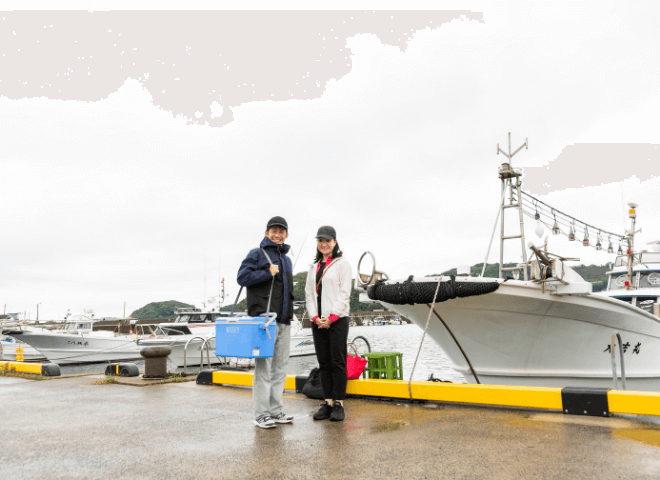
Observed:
{"x":118,"y":199}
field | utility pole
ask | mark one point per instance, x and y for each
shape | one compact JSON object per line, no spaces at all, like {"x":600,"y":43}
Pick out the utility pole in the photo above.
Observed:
{"x":124,"y":309}
{"x":38,"y":310}
{"x":508,"y":175}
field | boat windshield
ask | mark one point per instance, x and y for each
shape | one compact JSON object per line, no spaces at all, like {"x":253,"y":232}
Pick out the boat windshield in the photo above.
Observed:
{"x":650,"y":257}
{"x":644,"y":257}
{"x":197,"y":318}
{"x":203,"y":318}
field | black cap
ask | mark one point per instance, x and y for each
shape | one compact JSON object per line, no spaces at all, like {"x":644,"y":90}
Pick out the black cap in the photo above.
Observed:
{"x":327,"y":232}
{"x":277,"y":222}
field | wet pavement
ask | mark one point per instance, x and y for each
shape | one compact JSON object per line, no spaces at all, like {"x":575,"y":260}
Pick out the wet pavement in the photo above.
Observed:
{"x":71,"y":429}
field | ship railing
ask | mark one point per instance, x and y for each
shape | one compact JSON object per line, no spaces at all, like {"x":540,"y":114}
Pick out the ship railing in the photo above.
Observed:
{"x":201,"y":359}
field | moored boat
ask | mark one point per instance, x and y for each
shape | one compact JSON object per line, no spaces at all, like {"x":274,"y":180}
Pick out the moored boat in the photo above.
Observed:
{"x":547,"y":330}
{"x":77,"y":342}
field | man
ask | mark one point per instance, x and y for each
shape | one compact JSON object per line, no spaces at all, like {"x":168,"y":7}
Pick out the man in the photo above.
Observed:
{"x":257,"y":272}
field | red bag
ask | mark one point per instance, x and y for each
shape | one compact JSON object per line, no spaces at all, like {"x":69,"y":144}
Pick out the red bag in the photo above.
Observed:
{"x":355,"y":366}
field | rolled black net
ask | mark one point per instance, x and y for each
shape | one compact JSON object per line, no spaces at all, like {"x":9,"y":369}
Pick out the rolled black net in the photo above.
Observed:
{"x":410,"y":292}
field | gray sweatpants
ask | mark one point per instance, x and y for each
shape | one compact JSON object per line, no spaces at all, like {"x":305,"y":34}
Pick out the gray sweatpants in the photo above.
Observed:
{"x":270,"y":375}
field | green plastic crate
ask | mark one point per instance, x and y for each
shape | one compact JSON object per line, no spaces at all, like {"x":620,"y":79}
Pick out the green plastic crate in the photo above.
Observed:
{"x":383,"y":365}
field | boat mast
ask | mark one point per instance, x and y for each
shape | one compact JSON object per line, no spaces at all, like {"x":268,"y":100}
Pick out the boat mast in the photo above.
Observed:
{"x":632,"y":214}
{"x":507,"y":174}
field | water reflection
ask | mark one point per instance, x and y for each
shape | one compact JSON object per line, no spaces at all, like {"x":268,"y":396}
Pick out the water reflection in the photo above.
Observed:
{"x":397,"y":338}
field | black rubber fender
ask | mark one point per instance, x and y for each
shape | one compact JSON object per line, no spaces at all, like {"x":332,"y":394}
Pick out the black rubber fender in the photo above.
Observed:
{"x":50,"y":370}
{"x":122,"y":370}
{"x":205,"y":377}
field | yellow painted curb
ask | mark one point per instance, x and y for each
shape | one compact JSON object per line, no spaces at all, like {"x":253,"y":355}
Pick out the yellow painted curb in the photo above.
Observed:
{"x":245,"y":379}
{"x":21,"y":367}
{"x":618,"y":401}
{"x":531,"y":397}
{"x":637,"y":403}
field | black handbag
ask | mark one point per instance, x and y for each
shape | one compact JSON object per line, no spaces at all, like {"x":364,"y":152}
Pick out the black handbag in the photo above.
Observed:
{"x":312,"y":387}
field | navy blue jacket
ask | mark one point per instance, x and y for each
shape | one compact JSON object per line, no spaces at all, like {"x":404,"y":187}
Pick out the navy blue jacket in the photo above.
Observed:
{"x":254,"y":274}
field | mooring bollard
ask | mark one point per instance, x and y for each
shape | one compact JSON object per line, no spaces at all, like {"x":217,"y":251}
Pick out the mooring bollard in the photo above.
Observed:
{"x":155,"y":361}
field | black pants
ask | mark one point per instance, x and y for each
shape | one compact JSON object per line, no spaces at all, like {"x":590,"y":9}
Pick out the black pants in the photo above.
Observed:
{"x":330,"y":345}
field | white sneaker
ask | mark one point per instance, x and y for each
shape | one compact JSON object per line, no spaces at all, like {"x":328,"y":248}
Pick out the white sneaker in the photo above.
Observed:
{"x":265,"y":422}
{"x":281,"y":418}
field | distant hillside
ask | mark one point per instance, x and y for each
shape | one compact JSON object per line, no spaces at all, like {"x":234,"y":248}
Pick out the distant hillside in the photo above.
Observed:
{"x":299,"y":295}
{"x":595,"y":274}
{"x":158,"y":310}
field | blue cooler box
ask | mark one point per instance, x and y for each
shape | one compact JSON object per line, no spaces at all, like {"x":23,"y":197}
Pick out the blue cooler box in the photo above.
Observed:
{"x":244,"y":337}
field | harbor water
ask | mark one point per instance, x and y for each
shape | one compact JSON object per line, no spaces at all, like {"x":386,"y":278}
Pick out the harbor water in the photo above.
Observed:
{"x":404,"y":339}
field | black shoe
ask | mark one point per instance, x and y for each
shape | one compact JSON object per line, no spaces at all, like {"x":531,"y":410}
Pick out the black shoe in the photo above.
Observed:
{"x":337,"y":414}
{"x":324,"y":412}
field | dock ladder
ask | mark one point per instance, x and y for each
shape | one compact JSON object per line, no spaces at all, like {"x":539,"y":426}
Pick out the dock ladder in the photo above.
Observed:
{"x":615,"y":337}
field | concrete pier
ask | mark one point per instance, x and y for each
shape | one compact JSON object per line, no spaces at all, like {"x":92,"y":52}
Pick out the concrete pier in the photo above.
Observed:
{"x":68,"y":428}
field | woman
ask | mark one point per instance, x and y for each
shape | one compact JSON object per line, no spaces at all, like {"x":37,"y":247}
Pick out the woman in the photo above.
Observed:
{"x":328,"y":294}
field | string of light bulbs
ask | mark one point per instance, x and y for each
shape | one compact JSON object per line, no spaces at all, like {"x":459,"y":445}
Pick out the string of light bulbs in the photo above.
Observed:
{"x":536,"y":209}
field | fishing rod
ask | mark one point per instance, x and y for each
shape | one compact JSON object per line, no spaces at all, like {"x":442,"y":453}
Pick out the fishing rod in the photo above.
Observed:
{"x":299,"y":252}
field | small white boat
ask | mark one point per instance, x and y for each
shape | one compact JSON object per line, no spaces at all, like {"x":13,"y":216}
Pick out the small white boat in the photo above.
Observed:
{"x":76,"y":342}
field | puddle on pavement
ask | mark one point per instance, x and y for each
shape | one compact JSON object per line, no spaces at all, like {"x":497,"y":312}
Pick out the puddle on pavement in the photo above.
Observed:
{"x":607,"y":422}
{"x":649,"y":437}
{"x":619,"y":427}
{"x":388,"y":427}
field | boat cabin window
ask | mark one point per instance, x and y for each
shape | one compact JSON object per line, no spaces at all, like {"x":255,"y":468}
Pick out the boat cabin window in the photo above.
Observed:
{"x":646,"y":303}
{"x":618,"y":282}
{"x":621,"y":261}
{"x":649,"y":280}
{"x":183,"y":319}
{"x":204,"y":318}
{"x":83,"y":326}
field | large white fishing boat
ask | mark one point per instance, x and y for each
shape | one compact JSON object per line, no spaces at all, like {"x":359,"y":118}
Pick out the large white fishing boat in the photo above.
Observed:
{"x":547,"y":330}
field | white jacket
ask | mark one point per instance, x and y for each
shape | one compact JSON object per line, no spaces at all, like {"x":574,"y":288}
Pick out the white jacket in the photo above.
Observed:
{"x":336,"y":291}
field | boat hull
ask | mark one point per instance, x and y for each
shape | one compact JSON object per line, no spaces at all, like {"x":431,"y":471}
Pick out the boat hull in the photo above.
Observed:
{"x":519,"y":335}
{"x":30,"y":354}
{"x":66,"y":349}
